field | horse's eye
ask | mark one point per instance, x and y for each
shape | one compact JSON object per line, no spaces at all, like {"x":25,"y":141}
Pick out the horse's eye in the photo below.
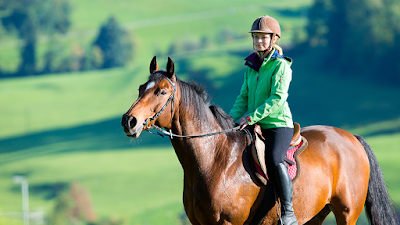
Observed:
{"x":163,"y":93}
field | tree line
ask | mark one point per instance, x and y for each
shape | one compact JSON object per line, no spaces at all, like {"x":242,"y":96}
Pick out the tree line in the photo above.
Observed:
{"x":27,"y":19}
{"x":357,"y":37}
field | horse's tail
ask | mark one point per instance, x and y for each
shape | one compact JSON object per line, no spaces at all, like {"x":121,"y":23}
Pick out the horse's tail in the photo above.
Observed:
{"x":378,"y":204}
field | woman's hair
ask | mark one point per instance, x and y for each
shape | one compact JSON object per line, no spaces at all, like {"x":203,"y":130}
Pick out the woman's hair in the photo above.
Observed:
{"x":279,"y":48}
{"x":276,"y":46}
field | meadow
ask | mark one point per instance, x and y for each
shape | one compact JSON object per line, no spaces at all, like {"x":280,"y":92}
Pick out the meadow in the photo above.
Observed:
{"x":60,"y":129}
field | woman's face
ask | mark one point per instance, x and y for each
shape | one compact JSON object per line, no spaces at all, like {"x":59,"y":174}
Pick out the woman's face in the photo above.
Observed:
{"x":261,"y":41}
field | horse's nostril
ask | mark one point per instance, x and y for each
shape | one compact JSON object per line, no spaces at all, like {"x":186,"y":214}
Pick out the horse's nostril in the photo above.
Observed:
{"x":128,"y":122}
{"x":124,"y":120}
{"x":132,"y":122}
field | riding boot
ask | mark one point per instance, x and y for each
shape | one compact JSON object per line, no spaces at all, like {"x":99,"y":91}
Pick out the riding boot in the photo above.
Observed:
{"x":284,"y":188}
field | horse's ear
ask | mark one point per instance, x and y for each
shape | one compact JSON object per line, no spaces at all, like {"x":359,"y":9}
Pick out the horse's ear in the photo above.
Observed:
{"x":153,"y":65}
{"x":170,"y":68}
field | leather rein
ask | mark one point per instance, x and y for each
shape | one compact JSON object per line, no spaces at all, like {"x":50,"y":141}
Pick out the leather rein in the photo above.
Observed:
{"x":169,"y":133}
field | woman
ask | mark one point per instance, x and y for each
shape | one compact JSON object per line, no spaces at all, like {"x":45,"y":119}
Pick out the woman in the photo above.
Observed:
{"x":262,"y":101}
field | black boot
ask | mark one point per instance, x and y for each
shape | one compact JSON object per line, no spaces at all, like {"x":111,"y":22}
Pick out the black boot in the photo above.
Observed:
{"x":284,"y":188}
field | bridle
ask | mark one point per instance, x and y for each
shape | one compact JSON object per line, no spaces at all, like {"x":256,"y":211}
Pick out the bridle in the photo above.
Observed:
{"x":147,"y":123}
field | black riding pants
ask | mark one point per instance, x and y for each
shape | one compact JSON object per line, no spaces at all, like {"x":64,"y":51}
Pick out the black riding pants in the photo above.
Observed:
{"x":277,"y":142}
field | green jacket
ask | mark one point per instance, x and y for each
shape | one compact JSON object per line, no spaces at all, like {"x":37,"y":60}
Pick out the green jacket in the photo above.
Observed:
{"x":263,"y":95}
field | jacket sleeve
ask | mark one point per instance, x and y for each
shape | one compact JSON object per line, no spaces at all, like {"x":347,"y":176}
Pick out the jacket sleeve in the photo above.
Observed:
{"x":279,"y":93}
{"x":240,"y":105}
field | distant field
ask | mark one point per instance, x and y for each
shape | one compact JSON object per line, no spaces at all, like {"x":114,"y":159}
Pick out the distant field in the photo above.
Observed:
{"x":63,"y":128}
{"x":155,"y":25}
{"x":40,"y":103}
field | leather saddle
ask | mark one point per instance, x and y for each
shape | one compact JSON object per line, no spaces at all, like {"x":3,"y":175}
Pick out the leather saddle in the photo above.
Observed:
{"x":257,"y":150}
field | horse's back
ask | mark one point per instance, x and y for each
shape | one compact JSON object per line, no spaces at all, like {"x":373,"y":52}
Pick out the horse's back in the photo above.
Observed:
{"x":335,"y":148}
{"x":331,"y":143}
{"x":334,"y":170}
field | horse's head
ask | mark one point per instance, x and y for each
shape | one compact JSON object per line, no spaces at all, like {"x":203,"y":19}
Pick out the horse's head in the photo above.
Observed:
{"x":155,"y":103}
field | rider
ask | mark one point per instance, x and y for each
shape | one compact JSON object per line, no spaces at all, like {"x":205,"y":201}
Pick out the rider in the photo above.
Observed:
{"x":263,"y":101}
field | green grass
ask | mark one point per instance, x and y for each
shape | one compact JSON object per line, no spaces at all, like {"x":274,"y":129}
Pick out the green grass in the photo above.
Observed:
{"x":387,"y":152}
{"x":47,"y":102}
{"x":64,"y":128}
{"x":141,"y":186}
{"x":125,"y":183}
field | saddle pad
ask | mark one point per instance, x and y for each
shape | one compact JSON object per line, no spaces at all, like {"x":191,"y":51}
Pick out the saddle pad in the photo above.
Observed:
{"x":292,"y":154}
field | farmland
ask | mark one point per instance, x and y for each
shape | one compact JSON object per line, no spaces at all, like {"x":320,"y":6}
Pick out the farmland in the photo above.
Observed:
{"x":60,"y":129}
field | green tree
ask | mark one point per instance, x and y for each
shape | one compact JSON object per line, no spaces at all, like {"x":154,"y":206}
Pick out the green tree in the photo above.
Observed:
{"x":357,"y":35}
{"x":29,"y":18}
{"x":115,"y":44}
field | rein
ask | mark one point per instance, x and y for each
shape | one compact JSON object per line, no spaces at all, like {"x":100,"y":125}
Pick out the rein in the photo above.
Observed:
{"x":169,"y":133}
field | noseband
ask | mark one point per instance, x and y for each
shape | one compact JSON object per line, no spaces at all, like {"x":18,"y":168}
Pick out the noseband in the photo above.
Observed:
{"x":171,"y":98}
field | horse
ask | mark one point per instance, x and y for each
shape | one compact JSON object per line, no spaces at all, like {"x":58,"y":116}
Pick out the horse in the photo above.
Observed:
{"x":339,"y":171}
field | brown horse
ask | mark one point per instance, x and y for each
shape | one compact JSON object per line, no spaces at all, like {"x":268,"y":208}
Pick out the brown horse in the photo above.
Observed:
{"x":339,"y":174}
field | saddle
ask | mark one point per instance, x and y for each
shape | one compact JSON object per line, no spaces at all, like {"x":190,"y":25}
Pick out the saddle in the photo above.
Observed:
{"x":257,"y":154}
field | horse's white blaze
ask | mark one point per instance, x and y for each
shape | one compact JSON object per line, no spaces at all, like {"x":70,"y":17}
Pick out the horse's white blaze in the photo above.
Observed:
{"x":150,"y":85}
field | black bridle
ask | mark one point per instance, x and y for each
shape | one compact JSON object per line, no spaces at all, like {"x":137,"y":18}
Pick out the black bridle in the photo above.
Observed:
{"x":171,"y":98}
{"x":147,"y":123}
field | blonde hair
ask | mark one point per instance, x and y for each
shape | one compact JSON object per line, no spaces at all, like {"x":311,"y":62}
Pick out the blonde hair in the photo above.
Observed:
{"x":277,"y":47}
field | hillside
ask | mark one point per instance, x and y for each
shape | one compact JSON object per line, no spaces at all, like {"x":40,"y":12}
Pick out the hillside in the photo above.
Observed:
{"x":154,"y":25}
{"x":58,"y":129}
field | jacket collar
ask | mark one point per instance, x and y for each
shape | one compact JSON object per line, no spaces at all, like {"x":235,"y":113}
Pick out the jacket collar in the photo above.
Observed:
{"x":253,"y":61}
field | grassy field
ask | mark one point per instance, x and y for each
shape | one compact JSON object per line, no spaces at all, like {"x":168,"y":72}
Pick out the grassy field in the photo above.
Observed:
{"x":126,"y":184}
{"x":141,"y":186}
{"x":155,"y":25}
{"x":72,"y":134}
{"x":62,"y":128}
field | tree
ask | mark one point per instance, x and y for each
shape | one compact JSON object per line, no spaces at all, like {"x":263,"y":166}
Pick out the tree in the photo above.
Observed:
{"x":73,"y":206}
{"x":28,"y":18}
{"x":358,"y":35}
{"x":115,"y":44}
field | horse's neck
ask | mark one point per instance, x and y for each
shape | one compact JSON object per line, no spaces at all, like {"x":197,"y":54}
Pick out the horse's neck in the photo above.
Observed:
{"x":196,"y":154}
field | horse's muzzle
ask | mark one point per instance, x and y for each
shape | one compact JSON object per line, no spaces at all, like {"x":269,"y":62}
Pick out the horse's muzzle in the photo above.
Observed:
{"x":131,"y":127}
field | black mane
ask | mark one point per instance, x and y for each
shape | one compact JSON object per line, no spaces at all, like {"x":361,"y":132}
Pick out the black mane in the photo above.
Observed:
{"x":196,"y":95}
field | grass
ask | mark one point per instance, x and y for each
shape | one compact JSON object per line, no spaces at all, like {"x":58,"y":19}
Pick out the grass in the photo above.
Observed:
{"x":124,"y":183}
{"x":63,"y":128}
{"x":386,"y":151}
{"x":141,"y":186}
{"x":46,"y":102}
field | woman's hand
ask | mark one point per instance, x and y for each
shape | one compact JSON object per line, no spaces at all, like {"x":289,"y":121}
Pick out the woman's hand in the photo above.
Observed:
{"x":243,"y":123}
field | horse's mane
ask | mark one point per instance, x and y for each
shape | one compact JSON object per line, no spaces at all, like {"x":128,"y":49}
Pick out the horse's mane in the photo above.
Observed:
{"x":197,"y":96}
{"x":225,"y":121}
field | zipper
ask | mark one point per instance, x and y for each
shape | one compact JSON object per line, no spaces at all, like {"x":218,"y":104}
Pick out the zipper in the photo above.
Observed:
{"x":255,"y":91}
